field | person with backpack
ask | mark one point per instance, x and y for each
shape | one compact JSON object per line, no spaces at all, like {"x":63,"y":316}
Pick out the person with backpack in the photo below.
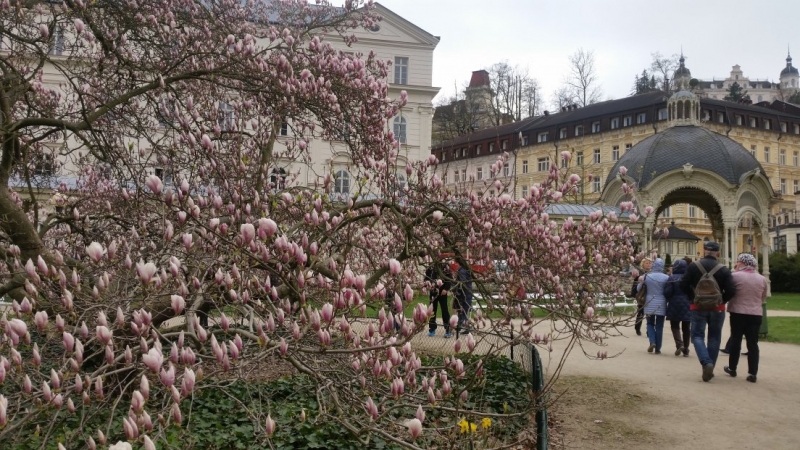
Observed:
{"x":708,"y":285}
{"x":746,"y":314}
{"x":655,"y":305}
{"x":678,"y":313}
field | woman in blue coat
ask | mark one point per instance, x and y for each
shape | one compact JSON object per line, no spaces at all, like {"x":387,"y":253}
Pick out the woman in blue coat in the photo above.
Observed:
{"x":678,"y":314}
{"x":655,"y":305}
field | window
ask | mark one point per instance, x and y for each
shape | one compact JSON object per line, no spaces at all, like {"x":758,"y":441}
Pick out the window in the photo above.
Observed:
{"x":783,"y":185}
{"x":753,"y":150}
{"x":796,"y":128}
{"x":627,"y":121}
{"x":596,"y":159}
{"x":525,"y":166}
{"x":543,"y":164}
{"x":579,"y":159}
{"x":455,"y":176}
{"x":596,"y":184}
{"x":766,"y":154}
{"x":342,"y":185}
{"x":277,"y":178}
{"x":542,"y":137}
{"x":44,"y":165}
{"x":795,"y":159}
{"x":477,"y":149}
{"x":721,"y":117}
{"x":692,"y":212}
{"x":491,"y":147}
{"x":563,"y":163}
{"x":578,"y":130}
{"x":641,"y":118}
{"x":795,"y":187}
{"x":464,"y":152}
{"x":767,"y":124}
{"x":444,"y":155}
{"x":57,"y":41}
{"x":615,"y":123}
{"x":524,"y":140}
{"x":706,"y":114}
{"x":562,"y":133}
{"x":783,"y":127}
{"x":596,"y":127}
{"x":400,"y":70}
{"x":739,"y":119}
{"x":615,"y":153}
{"x":524,"y":192}
{"x":225,"y":116}
{"x":753,"y":122}
{"x":662,"y":114}
{"x":463,"y":174}
{"x":667,"y":212}
{"x":400,"y":129}
{"x":506,"y":170}
{"x":668,"y":247}
{"x":444,"y":177}
{"x":628,"y":147}
{"x":284,"y":131}
{"x":782,"y":156}
{"x":504,"y":144}
{"x":479,"y":173}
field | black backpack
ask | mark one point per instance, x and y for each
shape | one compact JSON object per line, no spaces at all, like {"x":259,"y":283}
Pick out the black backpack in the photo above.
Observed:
{"x":707,"y":296}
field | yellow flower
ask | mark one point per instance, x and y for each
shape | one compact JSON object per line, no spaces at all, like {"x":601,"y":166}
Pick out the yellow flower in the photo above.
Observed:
{"x":486,"y":423}
{"x":464,"y":425}
{"x":472,"y":427}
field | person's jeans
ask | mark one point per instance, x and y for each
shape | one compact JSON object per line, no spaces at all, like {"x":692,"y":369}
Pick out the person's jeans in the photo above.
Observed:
{"x":748,"y":326}
{"x":464,"y":306}
{"x":655,"y":330}
{"x":436,"y":301}
{"x":707,"y":354}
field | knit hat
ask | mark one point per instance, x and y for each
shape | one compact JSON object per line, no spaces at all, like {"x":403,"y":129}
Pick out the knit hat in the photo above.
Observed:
{"x":747,"y":259}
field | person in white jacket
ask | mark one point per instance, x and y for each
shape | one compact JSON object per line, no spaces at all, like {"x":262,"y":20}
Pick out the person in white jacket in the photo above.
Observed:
{"x":655,"y":305}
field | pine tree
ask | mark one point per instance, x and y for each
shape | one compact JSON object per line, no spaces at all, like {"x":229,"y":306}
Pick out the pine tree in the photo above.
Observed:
{"x":736,"y":93}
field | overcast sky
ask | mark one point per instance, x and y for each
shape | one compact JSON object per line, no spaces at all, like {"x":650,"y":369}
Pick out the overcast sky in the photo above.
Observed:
{"x":539,"y":34}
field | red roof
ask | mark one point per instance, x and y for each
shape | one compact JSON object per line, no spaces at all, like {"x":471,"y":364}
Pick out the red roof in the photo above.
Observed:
{"x":479,"y":78}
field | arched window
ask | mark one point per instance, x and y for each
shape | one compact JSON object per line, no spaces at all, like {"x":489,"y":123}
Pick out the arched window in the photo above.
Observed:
{"x":400,"y":129}
{"x":793,"y":82}
{"x":342,"y":185}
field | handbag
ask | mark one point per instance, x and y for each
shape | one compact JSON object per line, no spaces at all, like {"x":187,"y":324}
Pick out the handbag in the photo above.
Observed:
{"x":641,"y":293}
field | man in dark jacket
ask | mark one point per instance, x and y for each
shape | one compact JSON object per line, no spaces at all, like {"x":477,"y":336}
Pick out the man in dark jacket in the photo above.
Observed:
{"x":715,"y":319}
{"x":440,"y":278}
{"x":462,"y":290}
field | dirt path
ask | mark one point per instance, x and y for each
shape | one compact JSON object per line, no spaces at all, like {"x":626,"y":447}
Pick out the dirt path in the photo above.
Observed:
{"x":660,"y":401}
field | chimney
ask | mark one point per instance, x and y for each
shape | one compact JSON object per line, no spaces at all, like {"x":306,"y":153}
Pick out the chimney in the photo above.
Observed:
{"x":546,"y":113}
{"x":563,"y":108}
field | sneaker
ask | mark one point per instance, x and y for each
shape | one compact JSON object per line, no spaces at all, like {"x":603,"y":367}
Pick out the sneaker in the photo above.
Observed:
{"x":658,"y":352}
{"x":678,"y":352}
{"x":751,"y":378}
{"x":708,"y":372}
{"x":638,"y":332}
{"x":729,"y":371}
{"x":685,"y":352}
{"x":651,"y":348}
{"x":448,"y":335}
{"x":431,"y":333}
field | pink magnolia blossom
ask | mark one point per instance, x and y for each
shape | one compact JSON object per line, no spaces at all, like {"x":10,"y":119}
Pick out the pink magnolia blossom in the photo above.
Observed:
{"x":154,"y":183}
{"x":153,"y":359}
{"x":415,"y":428}
{"x":95,"y":251}
{"x":104,"y":335}
{"x":146,"y":271}
{"x":394,"y":266}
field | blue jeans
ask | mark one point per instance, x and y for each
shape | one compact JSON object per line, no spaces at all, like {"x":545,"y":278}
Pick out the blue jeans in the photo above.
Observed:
{"x":655,"y":330}
{"x":464,"y":305}
{"x":714,"y":320}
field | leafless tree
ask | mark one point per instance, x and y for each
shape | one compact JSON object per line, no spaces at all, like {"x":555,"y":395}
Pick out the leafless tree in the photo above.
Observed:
{"x":663,"y":67}
{"x":562,"y":97}
{"x":458,"y":115}
{"x":515,"y":93}
{"x":582,"y":79}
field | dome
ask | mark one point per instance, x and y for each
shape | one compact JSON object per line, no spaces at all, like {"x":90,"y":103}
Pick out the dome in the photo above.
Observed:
{"x":682,"y":71}
{"x":675,"y":147}
{"x":789,"y":69}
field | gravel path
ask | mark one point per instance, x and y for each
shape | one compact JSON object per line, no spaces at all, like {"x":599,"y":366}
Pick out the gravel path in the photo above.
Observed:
{"x":725,"y":413}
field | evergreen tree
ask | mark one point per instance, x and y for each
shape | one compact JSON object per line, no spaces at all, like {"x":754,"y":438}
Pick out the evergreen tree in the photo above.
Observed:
{"x":736,"y":93}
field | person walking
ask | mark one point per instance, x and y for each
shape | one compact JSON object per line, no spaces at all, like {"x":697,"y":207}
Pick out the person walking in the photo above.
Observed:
{"x":441,"y":280}
{"x":462,"y":291}
{"x":647,"y":264}
{"x":655,"y":305}
{"x":678,"y":314}
{"x":714,"y":319}
{"x":746,"y":314}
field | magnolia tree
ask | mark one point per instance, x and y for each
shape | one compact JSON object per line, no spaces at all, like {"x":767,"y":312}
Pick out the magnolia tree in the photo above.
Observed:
{"x":130,"y":293}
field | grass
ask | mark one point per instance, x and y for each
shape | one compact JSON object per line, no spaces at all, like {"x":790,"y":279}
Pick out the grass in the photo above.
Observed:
{"x":784,"y":301}
{"x":783,"y":329}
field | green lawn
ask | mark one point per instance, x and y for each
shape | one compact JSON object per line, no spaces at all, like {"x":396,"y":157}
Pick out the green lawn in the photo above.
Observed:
{"x":784,"y":301}
{"x":783,"y":329}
